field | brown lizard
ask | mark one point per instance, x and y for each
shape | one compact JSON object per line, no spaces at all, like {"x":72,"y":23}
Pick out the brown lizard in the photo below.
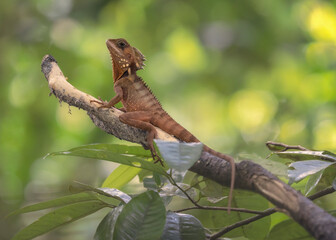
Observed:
{"x":140,"y":106}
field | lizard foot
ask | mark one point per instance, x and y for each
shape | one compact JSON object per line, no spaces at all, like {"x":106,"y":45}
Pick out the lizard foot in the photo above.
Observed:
{"x":103,"y":104}
{"x":156,"y":158}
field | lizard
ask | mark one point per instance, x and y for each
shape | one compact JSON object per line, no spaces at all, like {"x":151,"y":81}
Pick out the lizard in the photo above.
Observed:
{"x":141,"y":109}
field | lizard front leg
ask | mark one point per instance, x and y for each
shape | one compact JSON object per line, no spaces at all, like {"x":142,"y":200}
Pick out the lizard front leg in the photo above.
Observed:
{"x":117,"y":98}
{"x":141,"y":119}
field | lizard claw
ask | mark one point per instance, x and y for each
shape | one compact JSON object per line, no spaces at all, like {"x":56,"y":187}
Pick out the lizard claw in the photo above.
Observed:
{"x":156,"y":158}
{"x":101,"y":100}
{"x":103,"y":104}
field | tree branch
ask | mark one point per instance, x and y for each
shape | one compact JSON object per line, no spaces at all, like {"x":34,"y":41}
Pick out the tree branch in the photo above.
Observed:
{"x":249,"y":176}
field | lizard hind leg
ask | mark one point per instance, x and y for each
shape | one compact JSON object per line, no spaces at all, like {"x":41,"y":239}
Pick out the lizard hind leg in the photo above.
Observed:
{"x":141,"y":119}
{"x":150,"y":137}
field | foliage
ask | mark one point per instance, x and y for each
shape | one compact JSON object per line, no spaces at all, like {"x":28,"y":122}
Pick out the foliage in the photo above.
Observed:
{"x":236,"y":74}
{"x":144,"y":216}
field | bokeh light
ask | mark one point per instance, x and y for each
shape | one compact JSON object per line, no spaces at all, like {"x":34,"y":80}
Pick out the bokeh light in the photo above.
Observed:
{"x":249,"y":110}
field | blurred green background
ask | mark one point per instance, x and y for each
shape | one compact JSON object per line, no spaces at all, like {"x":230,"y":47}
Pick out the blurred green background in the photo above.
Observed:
{"x":235,"y":73}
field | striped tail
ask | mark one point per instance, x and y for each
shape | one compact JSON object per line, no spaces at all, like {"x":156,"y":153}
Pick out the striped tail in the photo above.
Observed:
{"x":168,"y":124}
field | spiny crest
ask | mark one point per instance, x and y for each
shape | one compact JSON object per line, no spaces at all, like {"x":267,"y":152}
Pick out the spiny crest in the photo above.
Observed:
{"x":139,"y":59}
{"x":146,"y":86}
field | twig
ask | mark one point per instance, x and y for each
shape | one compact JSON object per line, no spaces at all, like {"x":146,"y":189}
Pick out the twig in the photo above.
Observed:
{"x":197,"y":206}
{"x":281,"y":147}
{"x":244,"y":210}
{"x":322,"y":193}
{"x":243,"y":222}
{"x":172,"y":181}
{"x":265,"y":213}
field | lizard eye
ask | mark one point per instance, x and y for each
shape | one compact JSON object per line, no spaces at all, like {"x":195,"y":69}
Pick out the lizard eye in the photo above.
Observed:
{"x":121,"y":44}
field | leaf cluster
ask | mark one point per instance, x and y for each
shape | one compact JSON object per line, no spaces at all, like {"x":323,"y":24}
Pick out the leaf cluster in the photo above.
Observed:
{"x":150,"y":214}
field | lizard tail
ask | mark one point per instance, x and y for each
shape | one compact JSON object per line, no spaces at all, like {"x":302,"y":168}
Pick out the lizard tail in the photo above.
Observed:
{"x":169,"y":125}
{"x":233,"y":170}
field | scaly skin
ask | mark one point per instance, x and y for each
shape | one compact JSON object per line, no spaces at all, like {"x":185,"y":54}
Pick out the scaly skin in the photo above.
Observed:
{"x":140,"y":106}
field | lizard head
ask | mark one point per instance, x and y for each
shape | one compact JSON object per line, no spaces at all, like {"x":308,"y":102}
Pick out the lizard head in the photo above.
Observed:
{"x":125,"y":58}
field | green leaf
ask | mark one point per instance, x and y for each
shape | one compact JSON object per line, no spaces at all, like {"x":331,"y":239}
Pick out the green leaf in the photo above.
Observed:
{"x":157,"y":179}
{"x":58,"y":202}
{"x":327,"y":177}
{"x":145,"y":173}
{"x":274,"y":147}
{"x":179,"y":155}
{"x":303,"y":169}
{"x":212,"y":189}
{"x":275,"y":167}
{"x":289,"y":230}
{"x":182,"y":227}
{"x":256,"y":230}
{"x":308,"y":155}
{"x":117,"y":148}
{"x":108,"y":192}
{"x":120,"y":176}
{"x":150,"y":183}
{"x":334,"y":184}
{"x":208,"y":188}
{"x":115,"y":153}
{"x":106,"y":226}
{"x":313,"y":181}
{"x":142,"y":218}
{"x":58,"y":218}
